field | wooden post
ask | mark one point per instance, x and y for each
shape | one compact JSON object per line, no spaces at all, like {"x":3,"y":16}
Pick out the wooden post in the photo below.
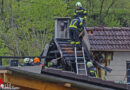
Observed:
{"x":0,"y":61}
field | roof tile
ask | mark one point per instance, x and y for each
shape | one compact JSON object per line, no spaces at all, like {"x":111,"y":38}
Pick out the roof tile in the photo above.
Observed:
{"x":109,"y":38}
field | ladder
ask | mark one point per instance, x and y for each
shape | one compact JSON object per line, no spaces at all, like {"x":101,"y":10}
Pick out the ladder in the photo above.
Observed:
{"x":80,"y":62}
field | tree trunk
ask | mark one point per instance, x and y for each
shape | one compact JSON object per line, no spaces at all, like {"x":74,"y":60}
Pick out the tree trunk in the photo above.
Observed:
{"x":2,"y":8}
{"x":100,"y":15}
{"x":14,"y":31}
{"x":112,"y":3}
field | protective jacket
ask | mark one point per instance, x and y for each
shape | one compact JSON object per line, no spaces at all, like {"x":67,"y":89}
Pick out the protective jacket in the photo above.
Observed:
{"x":93,"y":72}
{"x":82,"y":13}
{"x":75,"y":23}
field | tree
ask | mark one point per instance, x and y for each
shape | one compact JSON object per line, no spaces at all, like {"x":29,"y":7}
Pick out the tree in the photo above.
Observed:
{"x":27,"y":25}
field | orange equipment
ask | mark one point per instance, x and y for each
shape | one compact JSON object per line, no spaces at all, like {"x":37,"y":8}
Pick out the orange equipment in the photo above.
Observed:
{"x":36,"y":60}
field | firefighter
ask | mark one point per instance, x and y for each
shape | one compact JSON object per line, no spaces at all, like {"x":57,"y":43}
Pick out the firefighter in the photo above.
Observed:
{"x":1,"y":84}
{"x":80,"y":12}
{"x":75,"y":25}
{"x":28,"y":62}
{"x":56,"y":63}
{"x":36,"y":61}
{"x":92,"y":69}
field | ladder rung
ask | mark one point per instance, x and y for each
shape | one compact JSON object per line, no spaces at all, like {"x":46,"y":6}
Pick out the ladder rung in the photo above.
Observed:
{"x":81,"y":69}
{"x":82,"y":74}
{"x":80,"y":57}
{"x":67,"y":48}
{"x":62,"y":45}
{"x":80,"y":63}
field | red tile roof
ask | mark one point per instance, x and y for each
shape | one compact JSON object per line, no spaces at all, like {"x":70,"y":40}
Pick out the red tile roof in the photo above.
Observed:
{"x":109,"y":38}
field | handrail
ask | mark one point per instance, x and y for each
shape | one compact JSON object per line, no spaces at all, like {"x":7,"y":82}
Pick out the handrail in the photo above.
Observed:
{"x":6,"y":60}
{"x":25,"y":56}
{"x":61,"y":53}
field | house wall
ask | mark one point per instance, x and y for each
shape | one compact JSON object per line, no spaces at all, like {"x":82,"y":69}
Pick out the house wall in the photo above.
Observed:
{"x":118,"y":66}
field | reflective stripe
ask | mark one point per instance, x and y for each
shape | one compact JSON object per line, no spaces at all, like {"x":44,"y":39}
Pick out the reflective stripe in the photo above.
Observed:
{"x":94,"y":73}
{"x":73,"y":42}
{"x":80,"y":23}
{"x":73,"y":24}
{"x":79,"y":10}
{"x":74,"y":13}
{"x":49,"y":64}
{"x":78,"y":42}
{"x":19,"y":66}
{"x":46,"y":67}
{"x":85,"y":12}
{"x":85,"y":17}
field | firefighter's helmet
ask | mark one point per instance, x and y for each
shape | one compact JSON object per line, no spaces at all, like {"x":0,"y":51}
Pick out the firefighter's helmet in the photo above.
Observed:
{"x":89,"y":64}
{"x":36,"y":60}
{"x":78,"y":4}
{"x":26,"y":60}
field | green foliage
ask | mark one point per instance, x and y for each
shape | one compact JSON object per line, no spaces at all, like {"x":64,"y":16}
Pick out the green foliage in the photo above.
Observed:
{"x":30,"y":24}
{"x":3,"y":50}
{"x":111,"y":21}
{"x":27,"y":25}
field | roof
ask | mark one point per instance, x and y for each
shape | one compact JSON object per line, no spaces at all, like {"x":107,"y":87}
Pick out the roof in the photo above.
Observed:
{"x":96,"y":82}
{"x":109,"y":38}
{"x":59,"y":76}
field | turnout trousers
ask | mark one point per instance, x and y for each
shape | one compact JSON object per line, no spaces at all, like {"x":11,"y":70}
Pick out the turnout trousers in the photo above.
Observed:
{"x":73,"y":32}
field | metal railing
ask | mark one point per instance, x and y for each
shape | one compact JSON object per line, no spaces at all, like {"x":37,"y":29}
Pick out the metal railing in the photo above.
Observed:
{"x":17,"y":60}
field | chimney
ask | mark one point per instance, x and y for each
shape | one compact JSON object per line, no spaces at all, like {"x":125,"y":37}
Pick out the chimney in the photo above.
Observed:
{"x":61,"y":27}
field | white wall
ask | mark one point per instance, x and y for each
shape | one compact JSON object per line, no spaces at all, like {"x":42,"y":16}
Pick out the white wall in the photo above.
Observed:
{"x":118,"y":66}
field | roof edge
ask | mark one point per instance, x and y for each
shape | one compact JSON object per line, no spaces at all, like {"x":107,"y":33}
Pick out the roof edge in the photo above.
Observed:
{"x":112,"y":50}
{"x":55,"y":79}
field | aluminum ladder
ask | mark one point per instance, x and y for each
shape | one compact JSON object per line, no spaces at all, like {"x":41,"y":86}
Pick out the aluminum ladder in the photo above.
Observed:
{"x":80,"y":62}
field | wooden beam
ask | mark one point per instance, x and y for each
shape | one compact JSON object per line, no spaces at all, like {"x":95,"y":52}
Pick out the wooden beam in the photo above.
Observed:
{"x":55,"y":51}
{"x":5,"y":71}
{"x":86,"y":40}
{"x":67,"y":85}
{"x":34,"y":84}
